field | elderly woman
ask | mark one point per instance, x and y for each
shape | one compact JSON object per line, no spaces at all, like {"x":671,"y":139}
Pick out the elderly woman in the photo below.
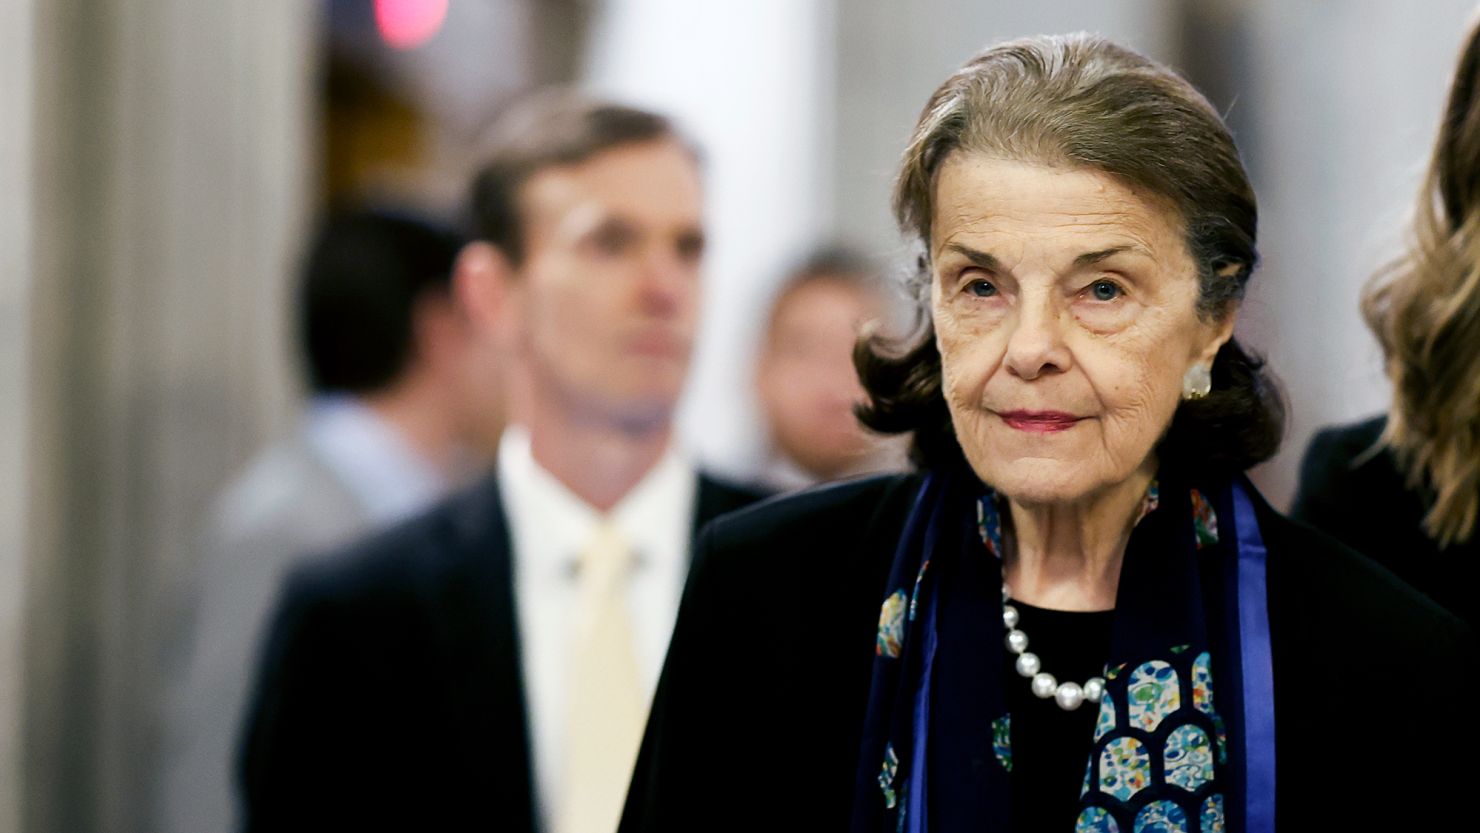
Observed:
{"x":1079,"y":615}
{"x":1404,"y":487}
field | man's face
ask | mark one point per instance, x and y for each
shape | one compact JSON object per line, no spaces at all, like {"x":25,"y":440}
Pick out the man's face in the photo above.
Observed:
{"x":805,"y":375}
{"x":608,"y":292}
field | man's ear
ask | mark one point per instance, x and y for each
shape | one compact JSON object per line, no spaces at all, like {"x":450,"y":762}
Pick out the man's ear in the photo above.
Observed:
{"x":439,"y":332}
{"x":483,"y":286}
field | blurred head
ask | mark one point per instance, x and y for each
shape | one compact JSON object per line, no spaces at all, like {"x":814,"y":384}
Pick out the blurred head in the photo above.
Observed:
{"x":378,"y":318}
{"x":1425,"y":311}
{"x":590,"y":222}
{"x":804,"y":373}
{"x":1087,"y":232}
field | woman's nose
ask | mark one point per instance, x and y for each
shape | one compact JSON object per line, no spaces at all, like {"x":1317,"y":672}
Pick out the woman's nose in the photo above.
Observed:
{"x":1036,"y":344}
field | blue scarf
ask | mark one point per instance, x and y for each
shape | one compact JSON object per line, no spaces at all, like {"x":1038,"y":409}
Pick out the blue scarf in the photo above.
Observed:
{"x":1167,"y":755}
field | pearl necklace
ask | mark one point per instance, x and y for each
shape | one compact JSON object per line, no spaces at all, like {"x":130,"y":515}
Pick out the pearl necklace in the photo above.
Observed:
{"x":1068,"y":695}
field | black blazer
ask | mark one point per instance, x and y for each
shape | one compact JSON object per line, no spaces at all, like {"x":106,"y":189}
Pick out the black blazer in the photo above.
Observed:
{"x":1356,"y":493}
{"x":390,"y":693}
{"x":758,"y":719}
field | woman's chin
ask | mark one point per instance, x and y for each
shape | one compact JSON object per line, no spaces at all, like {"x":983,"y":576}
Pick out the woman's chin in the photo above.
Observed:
{"x":1039,"y":481}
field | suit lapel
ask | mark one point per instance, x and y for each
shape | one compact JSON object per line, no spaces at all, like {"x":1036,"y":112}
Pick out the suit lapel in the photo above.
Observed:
{"x":477,"y":614}
{"x":481,"y":617}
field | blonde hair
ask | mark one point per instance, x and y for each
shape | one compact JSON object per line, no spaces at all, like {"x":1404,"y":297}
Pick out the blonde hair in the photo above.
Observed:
{"x":1424,"y":309}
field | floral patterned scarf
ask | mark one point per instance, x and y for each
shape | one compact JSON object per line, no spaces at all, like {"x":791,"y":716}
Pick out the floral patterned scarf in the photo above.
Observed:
{"x":1167,"y":755}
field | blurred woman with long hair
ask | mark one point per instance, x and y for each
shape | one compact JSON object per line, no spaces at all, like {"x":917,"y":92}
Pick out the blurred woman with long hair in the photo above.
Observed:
{"x":1404,"y":487}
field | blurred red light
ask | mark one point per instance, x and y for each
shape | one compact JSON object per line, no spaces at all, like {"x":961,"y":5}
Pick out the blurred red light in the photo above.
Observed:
{"x":407,"y":24}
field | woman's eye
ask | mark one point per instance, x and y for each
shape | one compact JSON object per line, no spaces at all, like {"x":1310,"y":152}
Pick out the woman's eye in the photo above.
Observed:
{"x":981,"y":288}
{"x":1104,"y":291}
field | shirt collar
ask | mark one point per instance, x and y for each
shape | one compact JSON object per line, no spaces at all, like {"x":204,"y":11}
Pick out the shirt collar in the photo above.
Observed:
{"x":552,"y":523}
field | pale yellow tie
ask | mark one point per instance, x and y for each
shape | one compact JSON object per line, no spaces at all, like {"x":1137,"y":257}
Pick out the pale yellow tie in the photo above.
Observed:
{"x":606,"y":705}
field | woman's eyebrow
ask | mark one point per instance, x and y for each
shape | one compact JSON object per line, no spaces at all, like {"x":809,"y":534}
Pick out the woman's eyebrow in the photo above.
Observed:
{"x":1091,"y":258}
{"x":988,"y":261}
{"x":978,"y":258}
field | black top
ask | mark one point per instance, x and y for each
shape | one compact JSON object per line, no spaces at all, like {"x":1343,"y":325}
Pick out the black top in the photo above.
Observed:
{"x":1355,"y":492}
{"x":390,"y":694}
{"x":758,"y":718}
{"x":1050,"y":745}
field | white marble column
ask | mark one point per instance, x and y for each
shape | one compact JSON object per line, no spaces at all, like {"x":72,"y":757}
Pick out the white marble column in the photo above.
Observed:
{"x":171,"y":149}
{"x":16,"y":60}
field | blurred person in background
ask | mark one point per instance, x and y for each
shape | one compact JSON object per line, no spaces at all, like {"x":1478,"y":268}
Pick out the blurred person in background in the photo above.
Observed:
{"x":405,"y":401}
{"x":1404,"y":487}
{"x":805,"y":378}
{"x":489,"y":664}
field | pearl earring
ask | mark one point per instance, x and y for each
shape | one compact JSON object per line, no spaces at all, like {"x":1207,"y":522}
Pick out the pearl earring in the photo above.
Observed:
{"x":1197,"y":382}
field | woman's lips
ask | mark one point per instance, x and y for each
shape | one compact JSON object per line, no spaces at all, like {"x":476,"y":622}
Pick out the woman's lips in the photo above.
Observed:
{"x":1039,"y":422}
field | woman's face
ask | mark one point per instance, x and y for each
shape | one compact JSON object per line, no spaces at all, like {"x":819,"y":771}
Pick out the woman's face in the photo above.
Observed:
{"x":1065,"y":310}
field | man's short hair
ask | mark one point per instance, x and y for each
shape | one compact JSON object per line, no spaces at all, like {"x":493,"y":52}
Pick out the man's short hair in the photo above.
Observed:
{"x":834,"y":262}
{"x":549,"y":129}
{"x":364,"y":275}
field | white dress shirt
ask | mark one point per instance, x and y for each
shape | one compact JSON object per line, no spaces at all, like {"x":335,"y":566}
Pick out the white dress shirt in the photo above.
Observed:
{"x":549,"y":526}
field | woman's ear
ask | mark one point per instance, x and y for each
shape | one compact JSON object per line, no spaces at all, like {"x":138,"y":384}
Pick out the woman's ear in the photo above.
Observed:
{"x":1220,"y":332}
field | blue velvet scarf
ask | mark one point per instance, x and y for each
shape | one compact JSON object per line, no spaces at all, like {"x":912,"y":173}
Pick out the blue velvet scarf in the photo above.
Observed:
{"x":1168,"y":755}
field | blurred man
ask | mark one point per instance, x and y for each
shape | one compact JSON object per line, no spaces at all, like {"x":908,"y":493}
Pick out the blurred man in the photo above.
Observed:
{"x":404,"y":393}
{"x":488,"y":666}
{"x":805,"y":377}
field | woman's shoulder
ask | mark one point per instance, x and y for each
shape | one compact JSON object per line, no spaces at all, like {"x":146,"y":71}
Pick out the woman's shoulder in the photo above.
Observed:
{"x":1350,"y":439}
{"x":845,"y":509}
{"x":1338,"y":452}
{"x":1352,"y":488}
{"x":1322,"y":590}
{"x":1361,"y":661}
{"x":841,"y":536}
{"x":1349,"y":480}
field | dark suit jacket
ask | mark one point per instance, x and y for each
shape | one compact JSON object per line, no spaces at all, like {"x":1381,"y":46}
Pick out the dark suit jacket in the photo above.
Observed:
{"x":390,"y":693}
{"x":1358,"y":496}
{"x":758,"y":719}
